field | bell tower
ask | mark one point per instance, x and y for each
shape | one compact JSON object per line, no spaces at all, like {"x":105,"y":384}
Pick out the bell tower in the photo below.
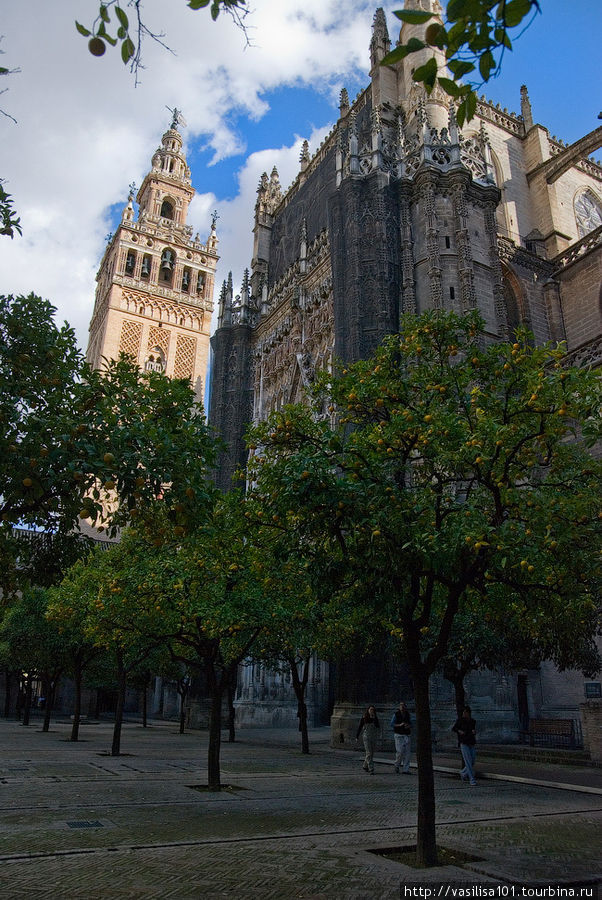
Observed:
{"x":154,"y":297}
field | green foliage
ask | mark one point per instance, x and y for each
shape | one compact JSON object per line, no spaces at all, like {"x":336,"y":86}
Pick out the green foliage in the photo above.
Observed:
{"x":129,"y":35}
{"x":29,"y":641}
{"x":39,"y":391}
{"x":81,"y":443}
{"x":445,"y":469}
{"x":9,"y":221}
{"x":473,"y":35}
{"x":439,"y":474}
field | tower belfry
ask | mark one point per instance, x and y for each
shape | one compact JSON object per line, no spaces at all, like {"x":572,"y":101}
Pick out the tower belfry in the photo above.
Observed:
{"x":155,"y":283}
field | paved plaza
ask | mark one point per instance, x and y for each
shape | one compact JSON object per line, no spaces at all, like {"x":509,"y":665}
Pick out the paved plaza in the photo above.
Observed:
{"x":78,"y":823}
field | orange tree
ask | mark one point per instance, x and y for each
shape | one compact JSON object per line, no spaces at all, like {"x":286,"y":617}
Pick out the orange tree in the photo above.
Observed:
{"x":70,"y":437}
{"x":69,"y":609}
{"x":439,"y":467}
{"x":219,"y":598}
{"x":32,"y":645}
{"x":96,"y":608}
{"x":308,"y":619}
{"x":202,"y":591}
{"x":480,"y":641}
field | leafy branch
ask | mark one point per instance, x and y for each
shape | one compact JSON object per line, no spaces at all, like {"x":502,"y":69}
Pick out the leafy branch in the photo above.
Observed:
{"x":130,"y":35}
{"x":474,"y":36}
{"x":9,"y":221}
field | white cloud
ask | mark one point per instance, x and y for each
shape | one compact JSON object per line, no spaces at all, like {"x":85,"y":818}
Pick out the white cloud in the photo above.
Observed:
{"x":84,"y":132}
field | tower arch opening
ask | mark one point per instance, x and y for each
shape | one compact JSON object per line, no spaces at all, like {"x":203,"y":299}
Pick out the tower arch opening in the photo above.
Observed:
{"x":167,"y":209}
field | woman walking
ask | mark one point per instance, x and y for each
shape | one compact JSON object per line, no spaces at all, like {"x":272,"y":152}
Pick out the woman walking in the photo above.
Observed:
{"x":466,"y":729}
{"x":369,"y":727}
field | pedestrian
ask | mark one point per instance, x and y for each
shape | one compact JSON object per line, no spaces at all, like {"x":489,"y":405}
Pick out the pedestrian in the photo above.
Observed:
{"x":466,"y":729}
{"x":402,"y":728}
{"x":368,"y":728}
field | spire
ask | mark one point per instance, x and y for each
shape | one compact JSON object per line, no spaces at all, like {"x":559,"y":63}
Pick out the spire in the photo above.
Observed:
{"x":304,"y":156}
{"x":380,"y":43}
{"x":227,"y":302}
{"x":221,"y":305}
{"x":525,"y":108}
{"x":166,"y":189}
{"x":128,"y":211}
{"x":453,"y":123}
{"x":354,"y":161}
{"x":274,"y":190}
{"x":303,"y":247}
{"x":344,"y":102}
{"x":169,"y":160}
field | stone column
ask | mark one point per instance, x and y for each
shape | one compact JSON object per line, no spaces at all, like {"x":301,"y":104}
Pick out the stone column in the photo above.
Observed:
{"x":591,"y":719}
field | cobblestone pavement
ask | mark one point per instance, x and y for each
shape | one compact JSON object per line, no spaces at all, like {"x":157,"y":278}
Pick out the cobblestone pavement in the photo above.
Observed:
{"x":78,"y":823}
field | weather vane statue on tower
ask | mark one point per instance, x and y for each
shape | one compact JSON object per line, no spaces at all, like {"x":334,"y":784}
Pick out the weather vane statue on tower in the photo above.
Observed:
{"x":177,"y":117}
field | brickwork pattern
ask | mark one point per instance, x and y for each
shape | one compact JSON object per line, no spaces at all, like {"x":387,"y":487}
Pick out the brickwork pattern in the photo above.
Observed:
{"x":158,"y":337}
{"x":131,"y":336}
{"x":295,"y":826}
{"x":185,"y":356}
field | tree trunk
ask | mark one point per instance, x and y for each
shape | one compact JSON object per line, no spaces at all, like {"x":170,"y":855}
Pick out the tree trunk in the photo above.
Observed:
{"x":8,"y":685}
{"x":49,"y":703}
{"x":77,"y":709}
{"x":144,"y":704}
{"x":215,"y":732}
{"x":121,"y":684}
{"x":300,"y":685}
{"x":426,"y":839}
{"x":27,"y":701}
{"x":183,"y":692}
{"x":230,"y":690}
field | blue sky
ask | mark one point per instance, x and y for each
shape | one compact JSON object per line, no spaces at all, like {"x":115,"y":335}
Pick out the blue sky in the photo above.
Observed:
{"x":84,"y":132}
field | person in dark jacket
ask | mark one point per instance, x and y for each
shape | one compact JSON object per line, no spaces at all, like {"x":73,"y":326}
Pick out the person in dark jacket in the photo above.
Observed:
{"x":400,"y":723}
{"x":466,"y":729}
{"x":369,"y":727}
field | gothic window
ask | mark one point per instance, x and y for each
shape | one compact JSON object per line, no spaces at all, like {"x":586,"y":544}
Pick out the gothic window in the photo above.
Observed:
{"x":588,"y":212}
{"x":130,"y":262}
{"x":516,"y":312}
{"x":155,"y":361}
{"x":146,"y":267}
{"x":500,"y":210}
{"x":168,"y":259}
{"x":167,"y":209}
{"x":186,"y":279}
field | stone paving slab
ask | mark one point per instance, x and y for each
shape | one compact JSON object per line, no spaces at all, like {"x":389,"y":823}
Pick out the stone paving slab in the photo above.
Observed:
{"x":296,"y":826}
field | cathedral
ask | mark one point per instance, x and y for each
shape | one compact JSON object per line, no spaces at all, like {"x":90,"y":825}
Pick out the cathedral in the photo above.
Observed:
{"x":399,"y":210}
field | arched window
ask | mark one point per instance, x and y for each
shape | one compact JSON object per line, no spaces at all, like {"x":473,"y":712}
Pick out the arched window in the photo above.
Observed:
{"x":167,"y":209}
{"x":145,"y":269}
{"x":516,"y":308}
{"x":500,"y":210}
{"x":200,"y":285}
{"x":166,"y":269}
{"x":186,"y":279}
{"x":155,"y":361}
{"x":588,"y":212}
{"x":130,"y":262}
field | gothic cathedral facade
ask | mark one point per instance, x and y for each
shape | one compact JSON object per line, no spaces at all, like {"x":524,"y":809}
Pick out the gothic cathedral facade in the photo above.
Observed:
{"x":399,"y":210}
{"x":155,"y":283}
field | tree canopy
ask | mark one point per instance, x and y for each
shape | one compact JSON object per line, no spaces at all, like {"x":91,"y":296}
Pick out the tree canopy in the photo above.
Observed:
{"x":443,"y":468}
